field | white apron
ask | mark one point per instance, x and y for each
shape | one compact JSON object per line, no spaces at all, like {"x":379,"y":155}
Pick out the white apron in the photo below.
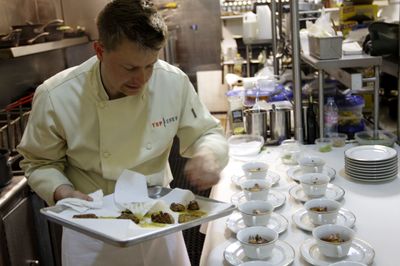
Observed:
{"x":82,"y":250}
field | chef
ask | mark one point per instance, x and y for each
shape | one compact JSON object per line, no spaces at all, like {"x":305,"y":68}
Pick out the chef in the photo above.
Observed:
{"x":119,"y":110}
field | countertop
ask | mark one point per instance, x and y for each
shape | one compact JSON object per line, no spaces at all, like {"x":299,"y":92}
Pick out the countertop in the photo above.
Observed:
{"x":375,"y":205}
{"x":17,"y":183}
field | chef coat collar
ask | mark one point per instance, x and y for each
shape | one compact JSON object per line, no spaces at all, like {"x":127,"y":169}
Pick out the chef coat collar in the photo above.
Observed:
{"x":102,"y":93}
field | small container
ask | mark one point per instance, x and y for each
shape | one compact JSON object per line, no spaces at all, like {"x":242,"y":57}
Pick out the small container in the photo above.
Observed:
{"x":338,"y":139}
{"x":381,"y":137}
{"x":245,"y":145}
{"x":236,"y":120}
{"x":290,"y":151}
{"x":350,"y":110}
{"x":324,"y":144}
{"x":326,"y":47}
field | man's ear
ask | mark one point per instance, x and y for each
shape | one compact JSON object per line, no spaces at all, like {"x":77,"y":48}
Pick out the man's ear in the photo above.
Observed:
{"x":99,"y":49}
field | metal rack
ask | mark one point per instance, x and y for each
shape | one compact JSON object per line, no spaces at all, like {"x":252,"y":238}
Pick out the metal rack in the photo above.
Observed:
{"x":321,"y":66}
{"x":347,"y":61}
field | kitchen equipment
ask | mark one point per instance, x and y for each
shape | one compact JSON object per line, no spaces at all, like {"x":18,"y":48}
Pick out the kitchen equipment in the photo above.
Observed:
{"x":245,"y":145}
{"x":325,"y":47}
{"x":11,"y":39}
{"x":249,"y":25}
{"x":5,"y":167}
{"x":279,"y":123}
{"x":30,"y":32}
{"x":255,"y":122}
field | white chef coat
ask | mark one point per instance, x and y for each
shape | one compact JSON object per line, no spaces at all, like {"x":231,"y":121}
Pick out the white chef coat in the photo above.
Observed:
{"x":76,"y":135}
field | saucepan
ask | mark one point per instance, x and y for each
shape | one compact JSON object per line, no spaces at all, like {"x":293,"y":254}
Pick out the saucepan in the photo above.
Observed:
{"x":34,"y":33}
{"x":11,"y":39}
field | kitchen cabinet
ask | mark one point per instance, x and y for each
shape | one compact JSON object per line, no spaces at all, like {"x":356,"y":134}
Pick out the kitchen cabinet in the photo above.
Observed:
{"x":23,"y":240}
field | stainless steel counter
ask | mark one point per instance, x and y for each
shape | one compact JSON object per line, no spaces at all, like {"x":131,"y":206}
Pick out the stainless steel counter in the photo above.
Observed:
{"x":347,"y":61}
{"x":17,"y":183}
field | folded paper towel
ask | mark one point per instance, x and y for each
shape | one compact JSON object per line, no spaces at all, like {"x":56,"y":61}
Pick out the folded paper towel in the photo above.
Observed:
{"x":81,"y":205}
{"x":131,"y":193}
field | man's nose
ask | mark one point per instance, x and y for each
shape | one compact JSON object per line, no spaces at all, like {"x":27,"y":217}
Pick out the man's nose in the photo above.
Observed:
{"x":139,"y":76}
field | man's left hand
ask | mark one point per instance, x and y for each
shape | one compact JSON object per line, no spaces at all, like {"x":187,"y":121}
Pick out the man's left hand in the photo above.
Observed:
{"x":202,"y":170}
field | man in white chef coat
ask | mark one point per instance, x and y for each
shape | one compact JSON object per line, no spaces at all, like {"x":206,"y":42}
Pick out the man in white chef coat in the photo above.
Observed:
{"x":119,"y":110}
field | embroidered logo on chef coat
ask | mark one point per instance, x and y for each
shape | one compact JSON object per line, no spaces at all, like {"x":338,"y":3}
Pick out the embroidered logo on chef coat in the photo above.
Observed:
{"x":163,"y":122}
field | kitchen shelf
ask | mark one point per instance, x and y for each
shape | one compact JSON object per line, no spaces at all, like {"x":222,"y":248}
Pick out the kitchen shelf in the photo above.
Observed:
{"x":346,"y":61}
{"x":232,"y":17}
{"x":24,"y":50}
{"x":332,"y":66}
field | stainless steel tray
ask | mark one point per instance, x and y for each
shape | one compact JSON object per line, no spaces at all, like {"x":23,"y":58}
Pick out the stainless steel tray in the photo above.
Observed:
{"x":51,"y":214}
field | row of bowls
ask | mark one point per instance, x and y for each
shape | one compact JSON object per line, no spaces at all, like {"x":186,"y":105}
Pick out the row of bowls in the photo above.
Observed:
{"x":332,"y":240}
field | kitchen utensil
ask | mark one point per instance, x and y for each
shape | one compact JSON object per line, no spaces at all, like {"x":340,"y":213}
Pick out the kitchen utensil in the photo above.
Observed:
{"x":11,"y":39}
{"x":255,"y":122}
{"x":30,"y":32}
{"x":279,"y":119}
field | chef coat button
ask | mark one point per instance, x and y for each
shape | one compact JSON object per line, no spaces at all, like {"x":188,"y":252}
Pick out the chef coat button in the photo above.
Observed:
{"x":106,"y":154}
{"x":149,"y":146}
{"x":102,"y":104}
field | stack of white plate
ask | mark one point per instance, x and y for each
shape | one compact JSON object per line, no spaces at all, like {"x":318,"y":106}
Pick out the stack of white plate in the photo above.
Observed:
{"x":371,"y":163}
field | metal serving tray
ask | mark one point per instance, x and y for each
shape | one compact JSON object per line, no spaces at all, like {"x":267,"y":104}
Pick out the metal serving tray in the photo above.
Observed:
{"x":136,"y":236}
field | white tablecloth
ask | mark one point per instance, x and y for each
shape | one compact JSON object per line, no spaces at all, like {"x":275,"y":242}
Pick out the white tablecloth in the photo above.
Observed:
{"x":375,"y":205}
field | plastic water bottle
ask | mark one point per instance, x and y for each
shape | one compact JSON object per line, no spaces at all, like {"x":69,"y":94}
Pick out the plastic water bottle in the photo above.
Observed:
{"x":331,"y":117}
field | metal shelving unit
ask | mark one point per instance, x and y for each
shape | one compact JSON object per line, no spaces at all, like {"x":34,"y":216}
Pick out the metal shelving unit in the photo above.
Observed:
{"x":24,"y":50}
{"x":347,"y":61}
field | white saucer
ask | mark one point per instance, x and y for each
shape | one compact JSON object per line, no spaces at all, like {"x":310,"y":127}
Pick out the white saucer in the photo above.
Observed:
{"x":283,"y":254}
{"x":300,"y":218}
{"x":360,"y":251}
{"x":333,"y":192}
{"x":295,"y":172}
{"x":276,"y":198}
{"x":271,"y":177}
{"x":277,"y":222}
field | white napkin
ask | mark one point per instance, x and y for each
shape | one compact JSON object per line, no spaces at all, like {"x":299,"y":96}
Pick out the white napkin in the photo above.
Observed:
{"x":131,"y":193}
{"x":81,"y":205}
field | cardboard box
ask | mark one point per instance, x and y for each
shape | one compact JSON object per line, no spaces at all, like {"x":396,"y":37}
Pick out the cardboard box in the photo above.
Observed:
{"x":326,"y":47}
{"x":353,"y":13}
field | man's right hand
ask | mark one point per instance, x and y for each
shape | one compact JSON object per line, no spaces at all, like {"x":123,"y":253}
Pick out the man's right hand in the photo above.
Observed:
{"x":67,"y":191}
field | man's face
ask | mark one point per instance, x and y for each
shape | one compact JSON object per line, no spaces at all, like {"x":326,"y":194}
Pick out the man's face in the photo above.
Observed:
{"x":126,"y":69}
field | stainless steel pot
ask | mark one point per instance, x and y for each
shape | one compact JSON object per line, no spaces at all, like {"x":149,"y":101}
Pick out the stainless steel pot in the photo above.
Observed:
{"x":255,"y":122}
{"x":279,"y":123}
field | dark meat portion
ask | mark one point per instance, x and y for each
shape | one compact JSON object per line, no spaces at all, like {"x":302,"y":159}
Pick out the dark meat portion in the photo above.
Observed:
{"x":130,"y":216}
{"x":193,"y":206}
{"x":85,"y":216}
{"x":177,"y":207}
{"x":162,"y":217}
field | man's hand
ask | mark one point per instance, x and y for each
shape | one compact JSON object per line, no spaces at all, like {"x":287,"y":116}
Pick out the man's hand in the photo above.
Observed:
{"x":67,"y":191}
{"x":202,"y":170}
